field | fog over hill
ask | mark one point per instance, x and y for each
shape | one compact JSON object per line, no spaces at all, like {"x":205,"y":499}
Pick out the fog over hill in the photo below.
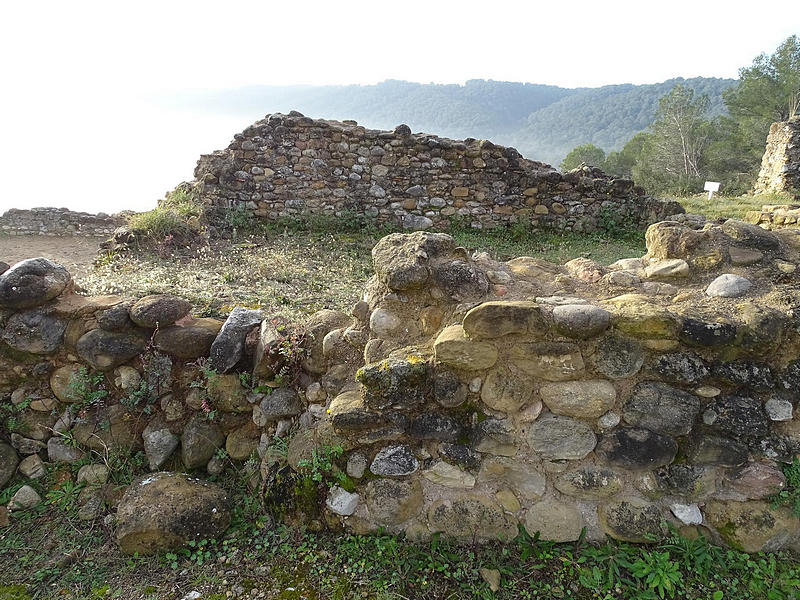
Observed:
{"x":543,"y":122}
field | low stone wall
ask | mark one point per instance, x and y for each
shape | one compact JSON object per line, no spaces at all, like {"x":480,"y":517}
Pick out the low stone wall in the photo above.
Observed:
{"x":58,"y":221}
{"x":780,"y":166}
{"x":289,"y":165}
{"x":461,"y":395}
{"x":773,"y":216}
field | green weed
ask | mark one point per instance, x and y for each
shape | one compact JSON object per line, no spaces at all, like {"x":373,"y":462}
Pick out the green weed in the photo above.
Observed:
{"x":790,"y":496}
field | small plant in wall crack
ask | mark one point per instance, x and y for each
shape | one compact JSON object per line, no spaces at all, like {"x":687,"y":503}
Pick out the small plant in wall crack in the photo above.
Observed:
{"x":321,"y":467}
{"x":791,"y":495}
{"x":87,"y":390}
{"x":206,"y":384}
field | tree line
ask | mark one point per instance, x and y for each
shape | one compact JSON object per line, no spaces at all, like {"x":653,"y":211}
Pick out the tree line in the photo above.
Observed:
{"x":684,"y":146}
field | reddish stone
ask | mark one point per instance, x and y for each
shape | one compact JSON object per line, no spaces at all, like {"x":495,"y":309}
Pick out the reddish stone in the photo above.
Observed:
{"x":758,"y":480}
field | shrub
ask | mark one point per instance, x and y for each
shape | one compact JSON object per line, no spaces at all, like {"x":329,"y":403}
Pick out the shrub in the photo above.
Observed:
{"x":176,"y":219}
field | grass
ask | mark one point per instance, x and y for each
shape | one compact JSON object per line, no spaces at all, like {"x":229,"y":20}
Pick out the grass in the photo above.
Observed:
{"x":178,"y":215}
{"x":48,"y":553}
{"x":731,"y":207}
{"x":285,"y":267}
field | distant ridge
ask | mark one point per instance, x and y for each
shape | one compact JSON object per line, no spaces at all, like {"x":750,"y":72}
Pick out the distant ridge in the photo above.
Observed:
{"x":543,"y":122}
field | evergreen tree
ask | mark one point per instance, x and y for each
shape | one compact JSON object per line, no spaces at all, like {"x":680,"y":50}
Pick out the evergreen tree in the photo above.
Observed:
{"x":587,"y":153}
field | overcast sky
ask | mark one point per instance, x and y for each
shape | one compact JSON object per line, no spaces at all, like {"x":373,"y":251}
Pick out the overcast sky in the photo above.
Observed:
{"x":79,"y":128}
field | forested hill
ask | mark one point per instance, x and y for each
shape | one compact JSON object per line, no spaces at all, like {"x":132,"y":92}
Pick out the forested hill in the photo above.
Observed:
{"x":607,"y":116}
{"x":543,"y":122}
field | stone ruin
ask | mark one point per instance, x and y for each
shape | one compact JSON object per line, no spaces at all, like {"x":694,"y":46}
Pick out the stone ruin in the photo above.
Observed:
{"x":291,"y":165}
{"x":468,"y":395}
{"x":59,"y":221}
{"x":780,"y":166}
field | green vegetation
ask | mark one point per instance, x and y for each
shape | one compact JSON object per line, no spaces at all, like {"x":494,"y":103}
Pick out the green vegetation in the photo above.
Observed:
{"x":543,"y":122}
{"x":86,"y":390}
{"x":671,"y":155}
{"x":175,"y":221}
{"x":791,"y":495}
{"x":588,"y":153}
{"x":730,"y":207}
{"x":322,"y":463}
{"x":10,"y":415}
{"x":690,"y":140}
{"x":42,"y":557}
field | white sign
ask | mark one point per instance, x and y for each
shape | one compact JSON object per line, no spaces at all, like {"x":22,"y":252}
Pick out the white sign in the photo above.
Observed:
{"x":711,"y":187}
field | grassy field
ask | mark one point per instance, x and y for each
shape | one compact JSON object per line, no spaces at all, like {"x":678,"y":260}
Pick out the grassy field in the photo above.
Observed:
{"x":296,"y":270}
{"x":730,"y":207}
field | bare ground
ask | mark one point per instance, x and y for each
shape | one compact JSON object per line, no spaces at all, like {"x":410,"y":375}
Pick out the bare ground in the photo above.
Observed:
{"x":75,"y":253}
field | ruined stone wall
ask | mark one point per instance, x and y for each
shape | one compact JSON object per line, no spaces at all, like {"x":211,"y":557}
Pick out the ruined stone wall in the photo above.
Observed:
{"x":58,"y":221}
{"x":780,"y":166}
{"x":284,"y":166}
{"x":467,"y":395}
{"x":774,"y":216}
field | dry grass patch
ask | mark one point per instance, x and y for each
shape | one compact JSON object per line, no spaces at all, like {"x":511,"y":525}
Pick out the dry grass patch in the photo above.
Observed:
{"x":295,"y":273}
{"x":731,"y":207}
{"x":288,"y":275}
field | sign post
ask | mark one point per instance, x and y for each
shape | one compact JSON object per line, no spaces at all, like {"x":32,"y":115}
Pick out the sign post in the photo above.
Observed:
{"x":711,"y":187}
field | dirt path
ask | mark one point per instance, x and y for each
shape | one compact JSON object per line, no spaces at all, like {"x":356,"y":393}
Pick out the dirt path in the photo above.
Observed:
{"x":75,"y":253}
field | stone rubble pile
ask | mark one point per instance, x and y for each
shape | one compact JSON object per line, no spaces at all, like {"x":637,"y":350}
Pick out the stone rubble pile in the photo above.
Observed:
{"x":468,"y":396}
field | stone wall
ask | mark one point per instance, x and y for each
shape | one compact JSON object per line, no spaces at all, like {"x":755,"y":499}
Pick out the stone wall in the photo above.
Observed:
{"x":773,"y":216}
{"x":284,"y":166}
{"x":467,"y":396}
{"x":58,"y":221}
{"x":780,"y":166}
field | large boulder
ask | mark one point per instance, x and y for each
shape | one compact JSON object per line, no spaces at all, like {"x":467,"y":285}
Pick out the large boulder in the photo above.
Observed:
{"x":36,"y":331}
{"x":554,"y":520}
{"x":581,"y":321}
{"x":496,"y":319}
{"x":63,"y":382}
{"x":584,"y":399}
{"x":701,"y":249}
{"x":392,"y":383}
{"x":107,"y":427}
{"x":752,"y":526}
{"x":737,"y":416}
{"x":282,"y":403}
{"x":561,"y":438}
{"x":470,"y":516}
{"x":160,"y":310}
{"x":104,"y":350}
{"x":631,"y":520}
{"x":165,"y":511}
{"x":192,"y":340}
{"x":402,"y":261}
{"x":393,"y":501}
{"x":32,"y":282}
{"x":454,"y":349}
{"x":636,"y":448}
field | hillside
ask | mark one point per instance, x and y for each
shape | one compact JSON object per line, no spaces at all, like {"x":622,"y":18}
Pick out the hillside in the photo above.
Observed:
{"x":543,"y":122}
